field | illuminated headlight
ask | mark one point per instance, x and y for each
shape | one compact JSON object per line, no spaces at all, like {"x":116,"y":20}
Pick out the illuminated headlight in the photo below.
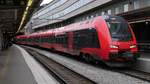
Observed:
{"x":133,"y":46}
{"x":113,"y":46}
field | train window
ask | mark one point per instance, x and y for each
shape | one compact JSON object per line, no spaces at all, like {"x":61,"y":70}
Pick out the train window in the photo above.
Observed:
{"x":38,"y":38}
{"x":49,"y":39}
{"x":53,"y":39}
{"x":60,"y":39}
{"x":65,"y":40}
{"x":35,"y":39}
{"x":46,"y":39}
{"x":86,"y":38}
{"x":42,"y":39}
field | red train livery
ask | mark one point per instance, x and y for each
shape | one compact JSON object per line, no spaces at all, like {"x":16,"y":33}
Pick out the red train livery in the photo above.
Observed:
{"x":105,"y":38}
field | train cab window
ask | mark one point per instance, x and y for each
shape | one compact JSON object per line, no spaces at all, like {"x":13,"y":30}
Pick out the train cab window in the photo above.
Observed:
{"x":118,"y":28}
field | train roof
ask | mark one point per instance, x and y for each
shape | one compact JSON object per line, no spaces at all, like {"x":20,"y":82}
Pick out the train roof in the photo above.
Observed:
{"x":21,"y":36}
{"x":71,"y":27}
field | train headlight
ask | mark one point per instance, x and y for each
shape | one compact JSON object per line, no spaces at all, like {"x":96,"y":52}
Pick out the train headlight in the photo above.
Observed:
{"x":132,"y":46}
{"x":113,"y":46}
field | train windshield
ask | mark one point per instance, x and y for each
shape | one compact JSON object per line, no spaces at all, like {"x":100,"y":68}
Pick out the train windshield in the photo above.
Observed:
{"x":119,"y":29}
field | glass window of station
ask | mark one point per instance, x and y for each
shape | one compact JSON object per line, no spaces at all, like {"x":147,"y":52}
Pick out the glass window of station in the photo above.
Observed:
{"x":126,"y":7}
{"x":116,"y":10}
{"x":146,"y":3}
{"x":109,"y":12}
{"x":136,"y":4}
{"x":48,"y":8}
{"x":55,"y":16}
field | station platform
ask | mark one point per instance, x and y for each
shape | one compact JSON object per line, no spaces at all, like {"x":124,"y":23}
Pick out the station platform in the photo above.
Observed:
{"x":16,"y":67}
{"x":13,"y":69}
{"x":143,"y":62}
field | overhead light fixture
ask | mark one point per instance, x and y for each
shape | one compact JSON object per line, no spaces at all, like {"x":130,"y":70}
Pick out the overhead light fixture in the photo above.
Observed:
{"x":25,"y":14}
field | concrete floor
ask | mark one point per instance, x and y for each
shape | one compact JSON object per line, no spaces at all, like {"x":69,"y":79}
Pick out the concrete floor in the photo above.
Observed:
{"x":13,"y":69}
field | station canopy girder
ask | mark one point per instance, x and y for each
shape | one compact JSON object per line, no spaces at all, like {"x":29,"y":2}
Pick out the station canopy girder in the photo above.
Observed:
{"x":137,"y":15}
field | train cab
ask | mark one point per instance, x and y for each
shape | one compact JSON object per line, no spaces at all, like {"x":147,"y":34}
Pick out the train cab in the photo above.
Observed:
{"x":122,"y":46}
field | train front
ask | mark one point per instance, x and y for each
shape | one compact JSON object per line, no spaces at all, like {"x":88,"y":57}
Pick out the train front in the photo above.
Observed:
{"x":123,"y":46}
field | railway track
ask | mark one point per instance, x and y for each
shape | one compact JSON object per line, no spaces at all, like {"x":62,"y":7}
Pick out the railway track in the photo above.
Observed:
{"x":135,"y":73}
{"x":61,"y":73}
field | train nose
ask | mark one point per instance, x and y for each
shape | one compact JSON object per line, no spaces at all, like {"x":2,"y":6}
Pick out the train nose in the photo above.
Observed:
{"x":123,"y":46}
{"x":123,"y":51}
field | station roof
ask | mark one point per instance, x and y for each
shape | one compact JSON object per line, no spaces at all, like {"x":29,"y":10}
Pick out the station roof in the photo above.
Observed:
{"x":139,"y":15}
{"x":15,"y":13}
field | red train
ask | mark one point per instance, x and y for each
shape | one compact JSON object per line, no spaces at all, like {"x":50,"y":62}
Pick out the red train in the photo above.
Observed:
{"x":106,"y":38}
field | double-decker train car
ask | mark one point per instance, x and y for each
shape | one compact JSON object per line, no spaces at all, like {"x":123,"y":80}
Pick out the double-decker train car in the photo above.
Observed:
{"x":105,"y":38}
